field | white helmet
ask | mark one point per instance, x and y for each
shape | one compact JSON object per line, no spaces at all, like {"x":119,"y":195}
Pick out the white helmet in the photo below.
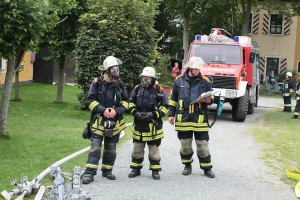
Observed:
{"x":148,"y":71}
{"x":195,"y":63}
{"x":109,"y":62}
{"x":289,"y":74}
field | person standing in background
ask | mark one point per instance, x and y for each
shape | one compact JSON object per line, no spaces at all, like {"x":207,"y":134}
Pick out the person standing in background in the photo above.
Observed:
{"x":176,"y":71}
{"x":261,"y":79}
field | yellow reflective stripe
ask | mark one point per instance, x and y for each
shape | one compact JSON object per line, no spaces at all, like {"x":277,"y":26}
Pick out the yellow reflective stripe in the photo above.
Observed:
{"x":298,"y":98}
{"x":288,"y":105}
{"x":200,"y":118}
{"x":179,"y":117}
{"x":107,"y":166}
{"x":163,"y":109}
{"x":147,"y":136}
{"x":125,"y":104}
{"x":157,"y":114}
{"x":155,"y":166}
{"x":296,"y":113}
{"x":91,"y":166}
{"x":291,"y":90}
{"x":136,"y":164}
{"x":206,"y":164}
{"x":93,"y":105}
{"x":131,"y":105}
{"x":173,"y":103}
{"x":180,"y":105}
{"x":185,"y":160}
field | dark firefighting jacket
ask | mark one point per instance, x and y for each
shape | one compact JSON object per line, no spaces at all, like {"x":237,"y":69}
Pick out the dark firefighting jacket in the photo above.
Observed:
{"x":288,"y":88}
{"x":189,"y":117}
{"x":151,"y":99}
{"x":104,"y":95}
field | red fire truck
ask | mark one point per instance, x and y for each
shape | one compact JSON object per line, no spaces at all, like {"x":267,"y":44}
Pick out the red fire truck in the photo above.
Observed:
{"x":232,"y":65}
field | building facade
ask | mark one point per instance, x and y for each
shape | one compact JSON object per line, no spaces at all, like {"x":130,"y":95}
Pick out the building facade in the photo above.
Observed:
{"x":278,"y":40}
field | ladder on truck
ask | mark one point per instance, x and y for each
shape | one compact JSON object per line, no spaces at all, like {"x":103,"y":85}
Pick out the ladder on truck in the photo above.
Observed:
{"x":217,"y":36}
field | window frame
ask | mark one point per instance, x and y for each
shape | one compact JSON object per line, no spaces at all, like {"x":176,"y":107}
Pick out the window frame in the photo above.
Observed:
{"x":250,"y":25}
{"x":275,"y":68}
{"x":2,"y":65}
{"x":298,"y":66}
{"x":276,"y":26}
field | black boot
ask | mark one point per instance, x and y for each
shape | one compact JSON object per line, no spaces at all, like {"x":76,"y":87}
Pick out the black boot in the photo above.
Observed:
{"x":155,"y":175}
{"x":108,"y":174}
{"x":187,"y":170}
{"x":87,"y":178}
{"x":209,"y":173}
{"x":295,"y":117}
{"x":134,"y":172}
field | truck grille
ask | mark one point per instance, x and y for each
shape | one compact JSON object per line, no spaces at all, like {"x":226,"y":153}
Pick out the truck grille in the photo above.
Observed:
{"x":223,"y":82}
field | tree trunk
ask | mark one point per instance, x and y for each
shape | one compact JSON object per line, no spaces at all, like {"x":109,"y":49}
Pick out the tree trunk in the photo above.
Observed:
{"x":246,"y":11}
{"x":186,"y":27}
{"x":12,"y":65}
{"x":10,"y":72}
{"x":17,"y":96}
{"x":60,"y":84}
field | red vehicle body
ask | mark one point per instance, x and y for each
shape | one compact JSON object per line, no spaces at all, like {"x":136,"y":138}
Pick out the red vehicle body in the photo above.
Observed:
{"x":232,"y":65}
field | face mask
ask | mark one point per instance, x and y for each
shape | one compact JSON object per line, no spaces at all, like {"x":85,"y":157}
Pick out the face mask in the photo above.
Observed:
{"x":145,"y":82}
{"x":114,"y":71}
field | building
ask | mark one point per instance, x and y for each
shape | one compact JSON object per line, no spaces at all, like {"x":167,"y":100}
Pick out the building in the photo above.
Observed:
{"x":279,"y":42}
{"x":26,"y":75}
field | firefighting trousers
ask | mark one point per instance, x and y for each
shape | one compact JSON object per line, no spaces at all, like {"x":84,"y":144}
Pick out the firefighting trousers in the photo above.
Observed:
{"x":287,"y":104}
{"x":297,"y":108}
{"x":186,"y":150}
{"x":137,"y":155}
{"x":109,"y":153}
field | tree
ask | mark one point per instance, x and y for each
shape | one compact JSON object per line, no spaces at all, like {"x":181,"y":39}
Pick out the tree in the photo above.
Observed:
{"x":120,"y":28}
{"x":61,"y":39}
{"x":23,"y":22}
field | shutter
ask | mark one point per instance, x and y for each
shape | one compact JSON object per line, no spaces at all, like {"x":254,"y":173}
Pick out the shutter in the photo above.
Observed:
{"x":266,"y":24}
{"x":255,"y":23}
{"x":286,"y":28}
{"x":283,"y":64}
{"x":262,"y":64}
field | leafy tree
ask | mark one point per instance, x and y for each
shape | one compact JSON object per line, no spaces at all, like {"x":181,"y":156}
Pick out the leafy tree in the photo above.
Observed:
{"x":61,"y":39}
{"x":120,"y":28}
{"x":22,"y":23}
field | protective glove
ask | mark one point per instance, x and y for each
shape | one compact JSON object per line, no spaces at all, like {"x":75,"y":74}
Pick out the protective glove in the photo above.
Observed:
{"x":138,"y":115}
{"x":147,"y":117}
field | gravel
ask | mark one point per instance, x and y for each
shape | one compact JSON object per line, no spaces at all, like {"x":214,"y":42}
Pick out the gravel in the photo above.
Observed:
{"x":240,"y":173}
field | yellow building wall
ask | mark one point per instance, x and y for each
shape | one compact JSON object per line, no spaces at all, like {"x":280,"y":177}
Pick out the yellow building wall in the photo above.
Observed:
{"x":24,"y":76}
{"x":297,"y":44}
{"x":281,"y":46}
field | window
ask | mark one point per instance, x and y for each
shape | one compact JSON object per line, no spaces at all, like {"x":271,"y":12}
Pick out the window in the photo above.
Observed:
{"x":275,"y":24}
{"x":272,"y":64}
{"x":298,"y":67}
{"x":2,"y":64}
{"x":250,"y":24}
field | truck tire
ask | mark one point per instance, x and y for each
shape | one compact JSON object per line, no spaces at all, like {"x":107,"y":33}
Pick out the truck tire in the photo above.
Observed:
{"x":240,"y":108}
{"x":251,"y":105}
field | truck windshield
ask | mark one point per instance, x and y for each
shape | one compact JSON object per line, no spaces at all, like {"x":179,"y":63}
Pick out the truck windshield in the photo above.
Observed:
{"x":217,"y":53}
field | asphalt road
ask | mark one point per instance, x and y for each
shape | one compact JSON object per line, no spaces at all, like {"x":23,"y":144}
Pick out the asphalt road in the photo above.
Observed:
{"x":240,"y":174}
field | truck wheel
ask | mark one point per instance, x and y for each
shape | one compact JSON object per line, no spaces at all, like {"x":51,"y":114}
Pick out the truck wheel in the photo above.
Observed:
{"x":256,"y":96}
{"x":240,"y":108}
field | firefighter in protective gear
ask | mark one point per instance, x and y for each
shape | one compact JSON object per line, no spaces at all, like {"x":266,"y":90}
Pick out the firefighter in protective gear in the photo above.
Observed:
{"x":148,"y":103}
{"x":189,"y":119}
{"x":287,"y":90}
{"x":297,"y":108}
{"x":108,"y":100}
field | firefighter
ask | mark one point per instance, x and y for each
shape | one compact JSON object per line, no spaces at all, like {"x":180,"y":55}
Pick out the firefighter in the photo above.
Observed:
{"x":297,"y":108}
{"x":287,"y":89}
{"x":190,"y":119}
{"x":148,"y":103}
{"x":107,"y":99}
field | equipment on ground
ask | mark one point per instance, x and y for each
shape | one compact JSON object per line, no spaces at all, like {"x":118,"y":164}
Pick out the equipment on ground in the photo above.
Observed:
{"x":77,"y":192}
{"x":232,"y":65}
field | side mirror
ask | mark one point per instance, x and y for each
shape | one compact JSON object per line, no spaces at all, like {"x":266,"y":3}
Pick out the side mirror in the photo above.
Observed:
{"x":182,"y":54}
{"x":251,"y":57}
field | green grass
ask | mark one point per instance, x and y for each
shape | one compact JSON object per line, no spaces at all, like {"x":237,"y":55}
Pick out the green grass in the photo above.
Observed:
{"x":40,"y":132}
{"x":278,"y":136}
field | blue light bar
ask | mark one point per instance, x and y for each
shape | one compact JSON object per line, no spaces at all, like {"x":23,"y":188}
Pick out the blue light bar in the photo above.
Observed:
{"x":236,"y":38}
{"x":198,"y":37}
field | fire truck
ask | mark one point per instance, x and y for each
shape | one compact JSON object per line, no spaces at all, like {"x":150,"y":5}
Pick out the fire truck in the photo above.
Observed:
{"x":232,"y":65}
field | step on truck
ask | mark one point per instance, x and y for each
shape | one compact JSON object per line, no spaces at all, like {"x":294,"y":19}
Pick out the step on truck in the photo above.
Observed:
{"x":233,"y":66}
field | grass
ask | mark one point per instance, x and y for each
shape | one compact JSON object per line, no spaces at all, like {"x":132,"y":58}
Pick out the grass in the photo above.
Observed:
{"x":41,"y":132}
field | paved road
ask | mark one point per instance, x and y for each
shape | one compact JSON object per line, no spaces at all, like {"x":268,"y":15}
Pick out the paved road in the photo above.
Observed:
{"x":240,"y":174}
